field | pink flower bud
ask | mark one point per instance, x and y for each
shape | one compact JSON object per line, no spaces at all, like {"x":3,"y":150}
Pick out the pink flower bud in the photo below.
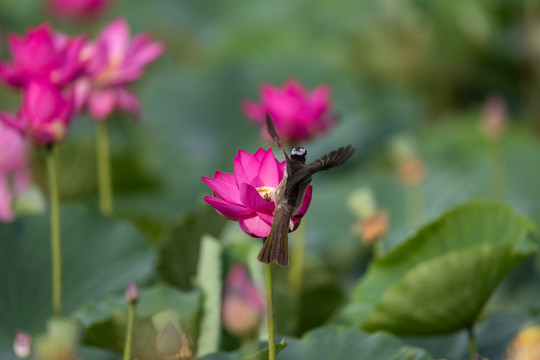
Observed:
{"x":298,"y":115}
{"x":132,"y":294}
{"x":243,"y":305}
{"x":22,"y":344}
{"x":494,"y":117}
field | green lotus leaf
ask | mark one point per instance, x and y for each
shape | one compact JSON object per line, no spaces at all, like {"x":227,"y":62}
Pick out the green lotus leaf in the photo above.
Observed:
{"x":261,"y":354}
{"x":106,"y":319}
{"x":100,"y":256}
{"x":464,"y":254}
{"x":340,"y":343}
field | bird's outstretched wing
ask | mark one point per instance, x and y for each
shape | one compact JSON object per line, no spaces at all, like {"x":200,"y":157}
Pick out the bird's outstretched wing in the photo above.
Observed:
{"x":331,"y":160}
{"x":273,"y":133}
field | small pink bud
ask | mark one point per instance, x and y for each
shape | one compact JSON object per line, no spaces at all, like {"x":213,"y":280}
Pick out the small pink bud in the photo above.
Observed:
{"x":243,"y":305}
{"x":22,"y":344}
{"x":132,"y":294}
{"x":494,"y":117}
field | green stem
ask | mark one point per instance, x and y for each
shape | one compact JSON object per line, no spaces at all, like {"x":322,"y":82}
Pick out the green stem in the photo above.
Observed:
{"x":129,"y":332}
{"x":497,"y":178}
{"x":297,"y":260}
{"x":270,"y":312}
{"x":104,"y":168}
{"x":55,"y":234}
{"x":378,"y":248}
{"x":473,"y":347}
{"x":249,"y":346}
{"x":415,"y":205}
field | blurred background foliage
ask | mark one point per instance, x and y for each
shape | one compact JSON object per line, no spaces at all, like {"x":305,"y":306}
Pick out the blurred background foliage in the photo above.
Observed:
{"x":416,"y":68}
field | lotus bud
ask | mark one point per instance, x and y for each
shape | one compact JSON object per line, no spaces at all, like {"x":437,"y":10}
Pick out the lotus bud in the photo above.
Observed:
{"x":132,"y":294}
{"x":243,"y":304}
{"x":410,"y":167}
{"x":494,"y":117}
{"x":22,"y":344}
{"x":59,"y":342}
{"x":372,"y":228}
{"x":168,"y":341}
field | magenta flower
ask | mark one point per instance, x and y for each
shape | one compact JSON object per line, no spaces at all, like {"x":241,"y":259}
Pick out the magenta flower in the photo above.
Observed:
{"x":44,"y":115}
{"x":43,"y":53}
{"x":115,"y":61}
{"x":247,"y":195}
{"x":78,"y":9}
{"x":243,"y":304}
{"x":14,"y":174}
{"x":298,"y":114}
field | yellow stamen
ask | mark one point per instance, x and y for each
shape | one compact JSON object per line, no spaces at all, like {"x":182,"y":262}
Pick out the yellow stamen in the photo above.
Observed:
{"x":267,"y":192}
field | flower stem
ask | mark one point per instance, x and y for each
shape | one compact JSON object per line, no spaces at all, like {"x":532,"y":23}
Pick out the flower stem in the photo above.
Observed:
{"x":297,"y":260}
{"x":129,"y":331}
{"x":104,"y":168}
{"x":270,"y":312}
{"x":55,"y":233}
{"x":497,"y":173}
{"x":415,"y":205}
{"x":473,"y":347}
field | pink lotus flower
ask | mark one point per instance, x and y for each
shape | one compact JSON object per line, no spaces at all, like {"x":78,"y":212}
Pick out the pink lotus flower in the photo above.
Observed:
{"x":14,"y":175}
{"x":243,"y":304}
{"x":44,"y":115}
{"x":298,"y":114}
{"x":247,"y":195}
{"x":115,"y":61}
{"x":78,"y":9}
{"x":43,"y":53}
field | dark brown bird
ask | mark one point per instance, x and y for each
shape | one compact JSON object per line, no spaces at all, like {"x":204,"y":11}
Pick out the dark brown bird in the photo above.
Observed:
{"x":290,"y":192}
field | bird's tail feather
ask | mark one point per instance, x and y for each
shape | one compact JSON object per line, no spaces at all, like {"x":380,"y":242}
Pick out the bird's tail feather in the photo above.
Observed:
{"x":276,"y":246}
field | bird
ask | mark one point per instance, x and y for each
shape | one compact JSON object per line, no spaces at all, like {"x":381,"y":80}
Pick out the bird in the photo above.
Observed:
{"x":289,"y":194}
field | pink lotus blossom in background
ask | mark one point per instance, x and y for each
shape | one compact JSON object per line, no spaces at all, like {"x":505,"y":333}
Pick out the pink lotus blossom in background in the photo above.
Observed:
{"x":14,"y":174}
{"x":44,"y":115}
{"x":43,"y":53}
{"x":78,"y":9}
{"x":115,"y":60}
{"x":247,"y":195}
{"x":298,"y":114}
{"x":243,"y":305}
